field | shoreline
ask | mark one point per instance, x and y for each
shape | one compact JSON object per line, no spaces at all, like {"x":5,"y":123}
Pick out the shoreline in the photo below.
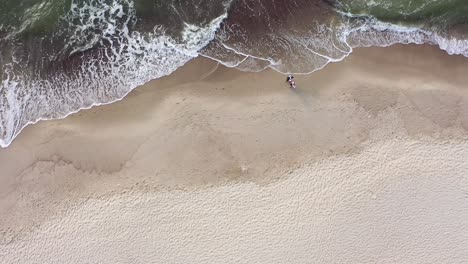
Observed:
{"x":380,"y":116}
{"x":4,"y":144}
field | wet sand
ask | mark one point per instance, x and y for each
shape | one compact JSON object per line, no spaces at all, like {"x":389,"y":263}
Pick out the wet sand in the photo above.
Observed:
{"x":364,"y":162}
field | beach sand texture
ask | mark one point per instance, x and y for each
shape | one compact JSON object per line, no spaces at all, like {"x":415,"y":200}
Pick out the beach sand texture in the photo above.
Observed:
{"x":365,"y":162}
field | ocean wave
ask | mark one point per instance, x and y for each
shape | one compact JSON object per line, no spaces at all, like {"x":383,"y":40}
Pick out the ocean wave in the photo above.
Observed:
{"x":325,"y":43}
{"x":99,"y":50}
{"x":125,"y":60}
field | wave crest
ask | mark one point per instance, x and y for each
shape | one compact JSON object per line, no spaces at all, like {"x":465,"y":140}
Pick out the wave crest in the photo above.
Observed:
{"x":123,"y":60}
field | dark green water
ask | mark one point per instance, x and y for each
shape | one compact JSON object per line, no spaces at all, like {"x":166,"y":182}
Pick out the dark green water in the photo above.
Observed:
{"x":443,"y":12}
{"x":32,"y":16}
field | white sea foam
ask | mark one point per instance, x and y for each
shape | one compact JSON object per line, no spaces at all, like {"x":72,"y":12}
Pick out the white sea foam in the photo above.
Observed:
{"x":377,"y":33}
{"x":321,"y":47}
{"x":133,"y":59}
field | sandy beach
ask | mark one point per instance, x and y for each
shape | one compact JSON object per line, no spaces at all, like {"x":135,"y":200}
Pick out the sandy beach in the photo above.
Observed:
{"x":366,"y":162}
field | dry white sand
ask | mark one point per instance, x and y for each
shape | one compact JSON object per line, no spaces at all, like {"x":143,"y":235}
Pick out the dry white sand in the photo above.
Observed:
{"x":366,"y":162}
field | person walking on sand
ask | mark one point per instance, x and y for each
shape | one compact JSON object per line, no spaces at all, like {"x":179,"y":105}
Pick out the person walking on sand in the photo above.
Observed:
{"x":290,"y":80}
